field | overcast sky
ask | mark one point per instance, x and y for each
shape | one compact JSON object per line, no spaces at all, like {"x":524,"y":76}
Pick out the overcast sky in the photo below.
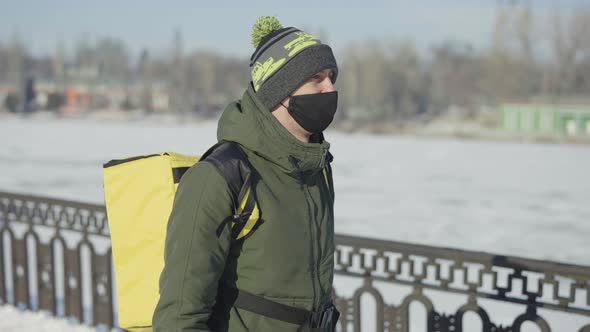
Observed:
{"x":224,"y":25}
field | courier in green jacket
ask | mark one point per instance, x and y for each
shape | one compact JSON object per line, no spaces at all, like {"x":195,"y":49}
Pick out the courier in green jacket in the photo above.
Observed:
{"x":288,"y":258}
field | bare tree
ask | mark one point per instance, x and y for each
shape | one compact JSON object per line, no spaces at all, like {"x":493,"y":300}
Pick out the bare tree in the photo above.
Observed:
{"x":59,"y":73}
{"x":146,"y":78}
{"x":178,"y":90}
{"x":570,"y":46}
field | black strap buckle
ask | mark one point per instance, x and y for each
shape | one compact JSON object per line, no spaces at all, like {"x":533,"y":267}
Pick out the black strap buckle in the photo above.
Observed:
{"x":241,"y":217}
{"x":324,"y":320}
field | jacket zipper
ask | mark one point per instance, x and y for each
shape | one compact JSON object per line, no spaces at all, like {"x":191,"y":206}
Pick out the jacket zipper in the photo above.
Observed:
{"x":324,"y":189}
{"x":312,"y":251}
{"x":319,"y":252}
{"x":317,"y":225}
{"x":315,"y":259}
{"x":323,"y":160}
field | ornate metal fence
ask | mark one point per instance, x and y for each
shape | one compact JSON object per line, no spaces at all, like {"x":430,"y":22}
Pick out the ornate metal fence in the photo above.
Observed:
{"x":532,"y":284}
{"x":55,"y":256}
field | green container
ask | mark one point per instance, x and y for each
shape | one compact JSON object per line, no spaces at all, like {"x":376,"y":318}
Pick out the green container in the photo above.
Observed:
{"x":568,"y":123}
{"x":510,"y":118}
{"x":547,"y":119}
{"x":586,"y":125}
{"x":528,"y":118}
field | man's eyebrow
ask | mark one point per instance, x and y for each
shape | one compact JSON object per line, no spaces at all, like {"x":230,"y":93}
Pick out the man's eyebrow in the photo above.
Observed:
{"x":321,"y":74}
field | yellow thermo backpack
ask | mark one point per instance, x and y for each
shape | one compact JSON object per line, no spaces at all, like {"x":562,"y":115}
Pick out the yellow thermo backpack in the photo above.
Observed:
{"x":139,"y":194}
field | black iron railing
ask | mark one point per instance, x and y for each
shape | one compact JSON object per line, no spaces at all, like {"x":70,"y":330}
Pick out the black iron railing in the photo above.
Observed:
{"x":55,"y":256}
{"x":532,"y":284}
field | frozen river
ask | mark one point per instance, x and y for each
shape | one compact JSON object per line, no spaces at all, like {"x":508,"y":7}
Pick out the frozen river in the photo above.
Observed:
{"x":529,"y":200}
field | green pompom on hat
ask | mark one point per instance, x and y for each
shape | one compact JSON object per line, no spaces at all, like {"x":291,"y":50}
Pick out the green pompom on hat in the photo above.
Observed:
{"x":264,"y":25}
{"x":284,"y":59}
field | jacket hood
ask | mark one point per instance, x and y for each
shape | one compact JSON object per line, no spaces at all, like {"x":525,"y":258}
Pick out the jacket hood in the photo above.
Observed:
{"x":249,"y":123}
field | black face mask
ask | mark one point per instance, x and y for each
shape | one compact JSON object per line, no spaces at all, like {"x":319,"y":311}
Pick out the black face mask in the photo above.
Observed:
{"x":314,"y":112}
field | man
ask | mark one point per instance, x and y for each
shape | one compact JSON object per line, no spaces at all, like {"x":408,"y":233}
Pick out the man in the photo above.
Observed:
{"x":286,"y":264}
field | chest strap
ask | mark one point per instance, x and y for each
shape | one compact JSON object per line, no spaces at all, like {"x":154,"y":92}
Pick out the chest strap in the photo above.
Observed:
{"x":309,"y":321}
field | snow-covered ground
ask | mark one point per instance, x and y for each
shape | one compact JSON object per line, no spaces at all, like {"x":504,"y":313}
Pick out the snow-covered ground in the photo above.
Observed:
{"x":528,"y":200}
{"x":13,"y":320}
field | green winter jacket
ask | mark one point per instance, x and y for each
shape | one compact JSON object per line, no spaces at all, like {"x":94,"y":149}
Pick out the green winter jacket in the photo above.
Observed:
{"x":288,"y":258}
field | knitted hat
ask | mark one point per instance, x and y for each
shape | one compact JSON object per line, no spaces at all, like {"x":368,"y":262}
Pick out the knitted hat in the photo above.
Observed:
{"x":284,"y":59}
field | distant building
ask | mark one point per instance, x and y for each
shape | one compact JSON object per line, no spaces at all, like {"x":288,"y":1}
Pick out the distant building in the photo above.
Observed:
{"x":546,"y":118}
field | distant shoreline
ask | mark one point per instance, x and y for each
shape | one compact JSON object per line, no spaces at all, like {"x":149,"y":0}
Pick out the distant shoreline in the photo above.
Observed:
{"x":464,"y":130}
{"x":475,"y":129}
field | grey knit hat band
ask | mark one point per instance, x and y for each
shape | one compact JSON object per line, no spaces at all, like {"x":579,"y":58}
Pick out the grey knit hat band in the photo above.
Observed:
{"x":285,"y":61}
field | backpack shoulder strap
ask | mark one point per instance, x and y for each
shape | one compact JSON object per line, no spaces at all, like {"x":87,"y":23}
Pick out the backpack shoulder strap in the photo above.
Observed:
{"x":233,"y":164}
